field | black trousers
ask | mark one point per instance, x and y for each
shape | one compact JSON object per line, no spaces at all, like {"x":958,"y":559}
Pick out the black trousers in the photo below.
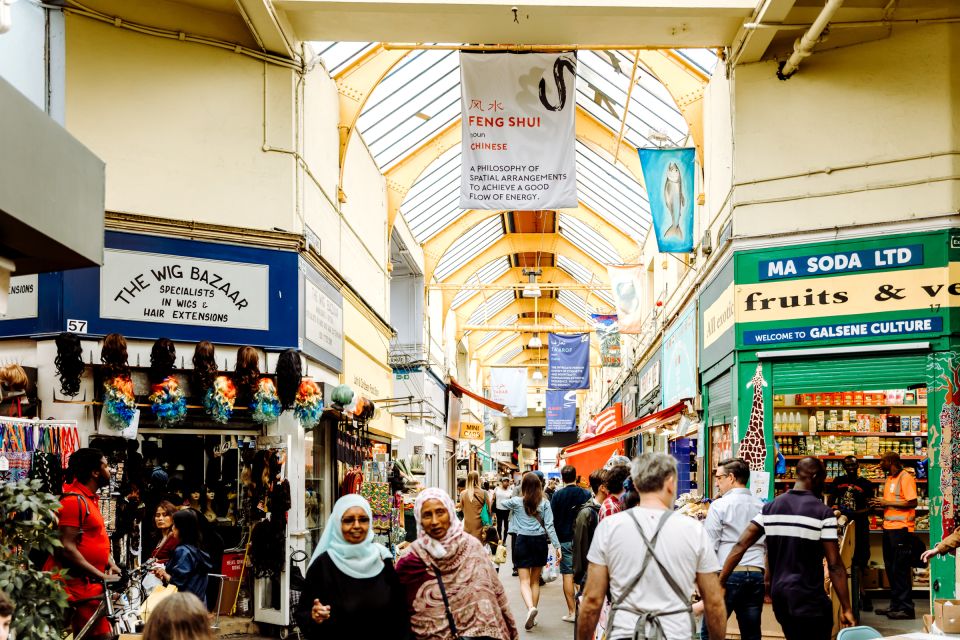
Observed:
{"x":896,"y":559}
{"x":502,"y":521}
{"x":513,"y":550}
{"x":804,"y":627}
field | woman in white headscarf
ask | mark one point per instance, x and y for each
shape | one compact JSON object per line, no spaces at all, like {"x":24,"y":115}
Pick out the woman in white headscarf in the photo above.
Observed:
{"x":452,"y":588}
{"x":352,"y":589}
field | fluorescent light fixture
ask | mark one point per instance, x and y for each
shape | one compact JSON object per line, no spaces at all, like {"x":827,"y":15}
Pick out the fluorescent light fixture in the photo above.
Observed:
{"x":535,"y":342}
{"x":537,"y":375}
{"x":532,"y":290}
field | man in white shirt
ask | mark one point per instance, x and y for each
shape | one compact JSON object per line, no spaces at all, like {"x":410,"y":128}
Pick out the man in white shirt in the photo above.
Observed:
{"x":651,"y":559}
{"x":727,"y":519}
{"x":500,"y":495}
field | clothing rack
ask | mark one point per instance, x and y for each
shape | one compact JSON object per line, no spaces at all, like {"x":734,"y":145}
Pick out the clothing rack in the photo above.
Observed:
{"x":36,"y":449}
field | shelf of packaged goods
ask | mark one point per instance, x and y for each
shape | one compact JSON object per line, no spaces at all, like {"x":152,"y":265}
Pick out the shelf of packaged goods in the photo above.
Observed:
{"x":918,"y":532}
{"x":859,"y":434}
{"x":841,"y":457}
{"x":875,"y":480}
{"x":850,"y":406}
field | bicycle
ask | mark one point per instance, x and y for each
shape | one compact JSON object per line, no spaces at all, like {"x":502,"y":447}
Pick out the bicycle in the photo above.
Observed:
{"x":118,"y":604}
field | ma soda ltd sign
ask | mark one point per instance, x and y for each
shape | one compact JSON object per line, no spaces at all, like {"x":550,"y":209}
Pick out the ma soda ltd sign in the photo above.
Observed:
{"x":846,"y":291}
{"x":153,"y":287}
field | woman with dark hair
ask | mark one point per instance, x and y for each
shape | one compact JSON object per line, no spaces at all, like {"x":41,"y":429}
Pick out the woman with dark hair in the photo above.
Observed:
{"x":163,"y":521}
{"x":246,"y":374}
{"x":188,"y":567}
{"x":289,"y":374}
{"x":69,"y":363}
{"x":113,"y":355}
{"x":532,"y":522}
{"x":163,"y":357}
{"x":204,"y":368}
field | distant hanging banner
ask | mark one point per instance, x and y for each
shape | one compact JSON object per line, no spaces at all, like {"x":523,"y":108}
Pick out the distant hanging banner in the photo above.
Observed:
{"x":627,"y":286}
{"x":561,"y":411}
{"x":518,"y":139}
{"x":568,"y":361}
{"x":669,"y":177}
{"x":508,"y":386}
{"x":609,"y":333}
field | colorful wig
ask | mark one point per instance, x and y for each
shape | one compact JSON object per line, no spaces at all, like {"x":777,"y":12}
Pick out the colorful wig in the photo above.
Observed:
{"x":119,"y":403}
{"x":265,"y":407}
{"x":168,"y":402}
{"x":220,"y":398}
{"x":308,"y":407}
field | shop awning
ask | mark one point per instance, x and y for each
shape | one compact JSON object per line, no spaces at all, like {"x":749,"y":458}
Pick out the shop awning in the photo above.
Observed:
{"x":590,"y":455}
{"x":487,"y":402}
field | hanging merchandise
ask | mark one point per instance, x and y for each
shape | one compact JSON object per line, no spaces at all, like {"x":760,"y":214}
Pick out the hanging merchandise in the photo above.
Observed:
{"x":220,"y":399}
{"x":119,"y":404}
{"x":265,"y":407}
{"x":308,"y":406}
{"x":168,"y":403}
{"x":69,"y":362}
{"x":38,"y":450}
{"x":669,"y":176}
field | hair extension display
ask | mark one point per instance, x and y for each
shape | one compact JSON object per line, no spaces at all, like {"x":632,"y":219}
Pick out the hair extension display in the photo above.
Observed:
{"x":265,"y":407}
{"x":13,"y":377}
{"x":163,"y":357}
{"x":247,"y":373}
{"x":308,"y":406}
{"x":204,"y":368}
{"x":69,"y":363}
{"x":168,"y":403}
{"x":119,"y":403}
{"x":289,"y":374}
{"x":220,"y":399}
{"x":113,"y":355}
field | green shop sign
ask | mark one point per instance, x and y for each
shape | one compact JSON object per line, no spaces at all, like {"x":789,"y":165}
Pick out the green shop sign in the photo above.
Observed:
{"x":890,"y":288}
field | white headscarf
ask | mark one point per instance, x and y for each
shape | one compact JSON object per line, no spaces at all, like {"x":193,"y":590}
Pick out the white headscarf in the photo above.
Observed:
{"x":361,"y":560}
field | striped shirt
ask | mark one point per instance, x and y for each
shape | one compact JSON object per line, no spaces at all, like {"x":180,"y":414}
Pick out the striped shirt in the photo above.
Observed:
{"x":796,"y":524}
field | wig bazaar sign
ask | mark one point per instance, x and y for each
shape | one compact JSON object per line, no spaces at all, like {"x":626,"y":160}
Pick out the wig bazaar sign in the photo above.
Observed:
{"x":178,"y":290}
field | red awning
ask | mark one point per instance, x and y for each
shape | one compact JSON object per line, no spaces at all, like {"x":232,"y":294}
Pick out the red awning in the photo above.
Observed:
{"x":460,"y":389}
{"x":591,"y":454}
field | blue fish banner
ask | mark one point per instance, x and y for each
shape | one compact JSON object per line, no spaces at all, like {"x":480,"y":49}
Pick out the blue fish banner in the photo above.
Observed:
{"x":568,"y":363}
{"x":561,"y":411}
{"x":670,"y":179}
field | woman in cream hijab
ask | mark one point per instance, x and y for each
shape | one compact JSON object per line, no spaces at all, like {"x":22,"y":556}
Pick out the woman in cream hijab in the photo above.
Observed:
{"x":352,"y":589}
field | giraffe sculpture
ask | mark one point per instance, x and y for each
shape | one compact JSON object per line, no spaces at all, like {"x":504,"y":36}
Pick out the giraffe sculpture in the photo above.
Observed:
{"x":753,"y":447}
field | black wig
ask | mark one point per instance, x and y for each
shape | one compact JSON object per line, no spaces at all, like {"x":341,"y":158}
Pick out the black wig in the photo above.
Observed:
{"x":69,"y":363}
{"x":204,"y":368}
{"x":113,"y":355}
{"x":163,"y":358}
{"x":289,"y":375}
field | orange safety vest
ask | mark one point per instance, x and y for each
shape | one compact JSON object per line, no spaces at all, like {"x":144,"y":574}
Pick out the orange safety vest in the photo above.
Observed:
{"x":902,"y":487}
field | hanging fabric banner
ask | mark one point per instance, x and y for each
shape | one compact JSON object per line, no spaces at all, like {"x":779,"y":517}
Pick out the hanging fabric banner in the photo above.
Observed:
{"x":627,"y":286}
{"x":568,"y":364}
{"x":669,"y":176}
{"x":517,"y":122}
{"x":561,"y":411}
{"x":609,"y":333}
{"x":610,"y":418}
{"x":508,"y":386}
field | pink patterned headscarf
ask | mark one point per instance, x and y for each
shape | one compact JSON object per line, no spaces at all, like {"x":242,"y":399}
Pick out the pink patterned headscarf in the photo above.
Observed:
{"x":439,"y":548}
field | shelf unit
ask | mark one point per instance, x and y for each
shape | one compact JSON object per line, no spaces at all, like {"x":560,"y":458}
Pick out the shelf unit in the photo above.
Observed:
{"x":840,"y":457}
{"x":856,"y":434}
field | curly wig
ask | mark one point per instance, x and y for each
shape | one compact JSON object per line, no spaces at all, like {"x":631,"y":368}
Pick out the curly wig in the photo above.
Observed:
{"x":204,"y":368}
{"x":113,"y":355}
{"x":289,"y":375}
{"x":163,"y":358}
{"x":69,"y":363}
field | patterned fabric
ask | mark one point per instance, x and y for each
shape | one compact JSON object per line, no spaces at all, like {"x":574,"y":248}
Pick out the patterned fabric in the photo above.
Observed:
{"x":441,"y":551}
{"x":46,"y":468}
{"x":19,"y":462}
{"x":610,"y":506}
{"x":378,"y":495}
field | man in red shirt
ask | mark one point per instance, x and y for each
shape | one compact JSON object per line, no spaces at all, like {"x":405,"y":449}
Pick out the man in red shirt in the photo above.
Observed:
{"x":616,"y":476}
{"x":86,"y":546}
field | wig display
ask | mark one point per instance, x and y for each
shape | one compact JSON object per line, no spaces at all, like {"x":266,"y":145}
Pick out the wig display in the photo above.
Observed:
{"x":14,"y":378}
{"x":289,"y":375}
{"x":167,"y":402}
{"x":308,"y":406}
{"x":163,"y":357}
{"x":247,"y":373}
{"x":69,"y":363}
{"x":265,"y":407}
{"x":113,"y":355}
{"x":119,"y":403}
{"x":204,"y":368}
{"x":220,"y":399}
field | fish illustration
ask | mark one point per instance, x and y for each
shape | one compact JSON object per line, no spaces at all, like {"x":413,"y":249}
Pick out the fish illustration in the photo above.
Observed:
{"x":674,"y":200}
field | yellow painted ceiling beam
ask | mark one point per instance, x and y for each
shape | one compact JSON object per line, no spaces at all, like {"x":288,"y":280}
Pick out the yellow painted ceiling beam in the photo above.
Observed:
{"x":527,"y":354}
{"x":517,"y":307}
{"x":434,"y":248}
{"x":686,"y":85}
{"x":355,"y":83}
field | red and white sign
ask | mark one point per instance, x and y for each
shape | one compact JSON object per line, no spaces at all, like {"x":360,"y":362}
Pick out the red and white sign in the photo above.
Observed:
{"x":609,"y":418}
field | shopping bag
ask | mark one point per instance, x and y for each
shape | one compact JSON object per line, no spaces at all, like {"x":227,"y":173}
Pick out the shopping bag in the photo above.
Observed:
{"x":485,"y":518}
{"x":156,"y":597}
{"x":552,"y":571}
{"x":501,"y":555}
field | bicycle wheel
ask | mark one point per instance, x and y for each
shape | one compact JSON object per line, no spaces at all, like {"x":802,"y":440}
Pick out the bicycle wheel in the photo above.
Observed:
{"x":84,"y":633}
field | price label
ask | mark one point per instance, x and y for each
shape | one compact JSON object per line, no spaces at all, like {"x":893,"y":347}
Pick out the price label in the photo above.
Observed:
{"x":77,"y":326}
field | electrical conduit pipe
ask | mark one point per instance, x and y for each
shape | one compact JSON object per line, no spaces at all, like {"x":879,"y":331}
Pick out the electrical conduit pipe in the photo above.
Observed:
{"x":803,"y":47}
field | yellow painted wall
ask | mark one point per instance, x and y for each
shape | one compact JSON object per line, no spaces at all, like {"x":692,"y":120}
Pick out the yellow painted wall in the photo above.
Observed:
{"x":365,"y":368}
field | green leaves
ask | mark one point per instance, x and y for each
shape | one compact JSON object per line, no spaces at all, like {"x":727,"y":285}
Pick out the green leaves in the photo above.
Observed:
{"x":28,"y":523}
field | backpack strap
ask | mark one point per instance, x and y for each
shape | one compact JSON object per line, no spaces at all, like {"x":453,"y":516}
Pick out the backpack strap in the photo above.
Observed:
{"x":82,"y":502}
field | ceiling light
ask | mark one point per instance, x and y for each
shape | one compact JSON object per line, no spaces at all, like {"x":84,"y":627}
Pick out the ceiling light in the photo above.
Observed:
{"x":535,"y":342}
{"x":537,"y":375}
{"x":532,"y":290}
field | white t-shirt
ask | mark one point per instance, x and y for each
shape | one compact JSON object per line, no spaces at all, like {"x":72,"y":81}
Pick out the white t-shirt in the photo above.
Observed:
{"x":502,"y":495}
{"x":682,"y":546}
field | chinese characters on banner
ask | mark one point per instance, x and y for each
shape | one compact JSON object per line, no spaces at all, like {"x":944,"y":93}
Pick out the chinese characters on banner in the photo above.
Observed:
{"x":518,"y":139}
{"x":568,"y":364}
{"x":627,"y":286}
{"x":669,"y":176}
{"x":609,"y":334}
{"x":508,"y":386}
{"x":561,"y":411}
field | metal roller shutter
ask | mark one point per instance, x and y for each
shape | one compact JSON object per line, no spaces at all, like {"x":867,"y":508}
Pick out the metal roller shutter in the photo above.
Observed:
{"x":849,"y":374}
{"x":719,"y":409}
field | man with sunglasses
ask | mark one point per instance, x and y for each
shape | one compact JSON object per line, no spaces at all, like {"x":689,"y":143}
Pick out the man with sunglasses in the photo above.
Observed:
{"x":727,"y":519}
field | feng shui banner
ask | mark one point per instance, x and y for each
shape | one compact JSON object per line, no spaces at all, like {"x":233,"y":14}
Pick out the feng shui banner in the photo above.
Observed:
{"x":609,"y":334}
{"x":518,"y":139}
{"x":669,"y":176}
{"x":508,"y":386}
{"x":568,"y":366}
{"x":561,"y":411}
{"x":627,"y":286}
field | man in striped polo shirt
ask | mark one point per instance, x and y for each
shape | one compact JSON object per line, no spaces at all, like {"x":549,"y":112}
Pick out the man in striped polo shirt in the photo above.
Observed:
{"x":801,"y":531}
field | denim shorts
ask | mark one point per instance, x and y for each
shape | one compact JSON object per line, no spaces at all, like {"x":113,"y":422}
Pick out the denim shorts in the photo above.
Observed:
{"x":566,"y":559}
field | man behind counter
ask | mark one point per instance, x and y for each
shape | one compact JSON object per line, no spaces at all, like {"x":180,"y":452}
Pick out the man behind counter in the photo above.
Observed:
{"x":850,"y":494}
